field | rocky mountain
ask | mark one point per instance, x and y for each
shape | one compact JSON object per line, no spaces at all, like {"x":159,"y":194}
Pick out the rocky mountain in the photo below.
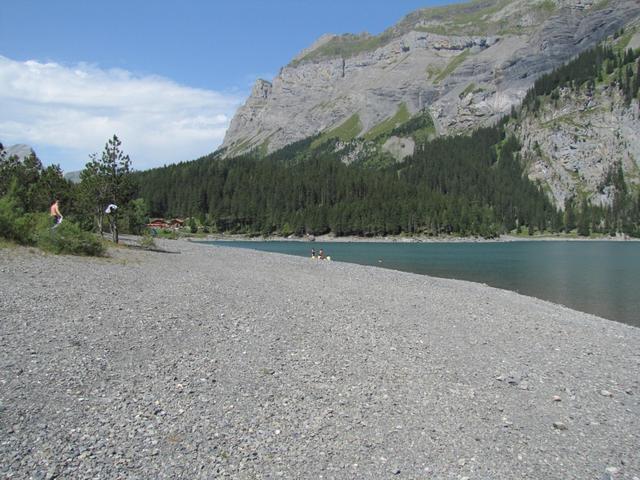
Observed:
{"x":19,"y":150}
{"x":573,"y":146}
{"x":466,"y":65}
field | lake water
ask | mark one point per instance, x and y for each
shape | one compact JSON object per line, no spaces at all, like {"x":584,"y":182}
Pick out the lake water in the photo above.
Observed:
{"x":595,"y":277}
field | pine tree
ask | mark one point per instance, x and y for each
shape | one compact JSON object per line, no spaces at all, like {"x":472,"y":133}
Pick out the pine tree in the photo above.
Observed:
{"x":107,"y":180}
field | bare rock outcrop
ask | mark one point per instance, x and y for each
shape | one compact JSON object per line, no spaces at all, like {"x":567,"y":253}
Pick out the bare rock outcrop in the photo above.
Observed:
{"x":573,"y":145}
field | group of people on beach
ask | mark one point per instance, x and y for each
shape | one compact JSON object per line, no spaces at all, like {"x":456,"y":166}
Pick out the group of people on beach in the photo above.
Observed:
{"x":320,"y":255}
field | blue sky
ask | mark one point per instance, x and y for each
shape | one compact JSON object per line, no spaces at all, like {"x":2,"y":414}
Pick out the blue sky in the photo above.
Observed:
{"x":165,"y":76}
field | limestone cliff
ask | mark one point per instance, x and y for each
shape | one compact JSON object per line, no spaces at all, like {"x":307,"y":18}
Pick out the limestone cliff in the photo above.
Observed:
{"x":466,"y":64}
{"x":573,"y":145}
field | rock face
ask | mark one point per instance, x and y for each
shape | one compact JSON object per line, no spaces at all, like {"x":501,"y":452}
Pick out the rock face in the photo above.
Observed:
{"x":19,"y":150}
{"x":574,"y":145}
{"x":466,"y":64}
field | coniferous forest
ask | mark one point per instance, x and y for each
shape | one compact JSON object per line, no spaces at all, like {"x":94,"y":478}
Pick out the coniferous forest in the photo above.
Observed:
{"x":461,"y":185}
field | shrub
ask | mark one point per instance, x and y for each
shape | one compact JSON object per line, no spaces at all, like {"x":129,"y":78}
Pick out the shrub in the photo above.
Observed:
{"x":147,"y":242}
{"x":170,"y":234}
{"x":9,"y":212}
{"x":66,"y":238}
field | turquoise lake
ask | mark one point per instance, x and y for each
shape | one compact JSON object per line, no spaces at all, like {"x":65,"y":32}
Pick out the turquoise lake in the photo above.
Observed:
{"x":595,"y":277}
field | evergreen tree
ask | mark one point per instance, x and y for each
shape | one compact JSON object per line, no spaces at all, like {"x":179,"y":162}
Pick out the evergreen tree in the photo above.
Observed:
{"x":107,"y":180}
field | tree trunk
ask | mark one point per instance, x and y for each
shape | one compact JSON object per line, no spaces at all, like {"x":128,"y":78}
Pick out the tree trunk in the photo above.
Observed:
{"x":99,"y":220}
{"x":113,"y":221}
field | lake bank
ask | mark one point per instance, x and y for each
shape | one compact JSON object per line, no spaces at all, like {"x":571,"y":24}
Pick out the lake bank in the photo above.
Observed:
{"x":600,"y":278}
{"x":218,"y":361}
{"x":414,"y":239}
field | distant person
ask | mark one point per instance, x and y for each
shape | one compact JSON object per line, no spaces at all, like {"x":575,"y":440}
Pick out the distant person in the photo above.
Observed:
{"x":321,"y":254}
{"x":313,"y":253}
{"x":54,"y":211}
{"x":111,"y":211}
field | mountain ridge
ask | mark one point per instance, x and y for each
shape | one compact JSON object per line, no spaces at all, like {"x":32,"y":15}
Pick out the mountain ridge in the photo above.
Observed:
{"x":511,"y":43}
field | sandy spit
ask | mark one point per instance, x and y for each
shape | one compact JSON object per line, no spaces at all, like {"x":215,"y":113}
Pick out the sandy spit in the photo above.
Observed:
{"x":217,"y":362}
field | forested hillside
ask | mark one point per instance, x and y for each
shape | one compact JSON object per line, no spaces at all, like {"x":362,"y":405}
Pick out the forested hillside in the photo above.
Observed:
{"x":459,"y":185}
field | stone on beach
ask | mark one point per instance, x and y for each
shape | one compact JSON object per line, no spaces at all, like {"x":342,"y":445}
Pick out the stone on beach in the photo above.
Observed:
{"x":222,"y":362}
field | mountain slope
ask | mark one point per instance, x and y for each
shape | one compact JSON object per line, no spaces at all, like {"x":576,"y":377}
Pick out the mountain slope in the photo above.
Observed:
{"x":581,"y":128}
{"x":467,"y":65}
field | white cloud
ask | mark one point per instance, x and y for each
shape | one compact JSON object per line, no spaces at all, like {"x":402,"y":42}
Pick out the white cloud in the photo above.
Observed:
{"x":70,"y":112}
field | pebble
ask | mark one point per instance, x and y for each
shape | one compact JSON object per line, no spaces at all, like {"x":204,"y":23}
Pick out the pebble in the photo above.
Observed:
{"x":335,"y":360}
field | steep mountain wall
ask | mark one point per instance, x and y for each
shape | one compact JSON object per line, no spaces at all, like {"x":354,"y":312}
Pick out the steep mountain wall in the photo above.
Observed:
{"x":574,"y":144}
{"x":465,"y":64}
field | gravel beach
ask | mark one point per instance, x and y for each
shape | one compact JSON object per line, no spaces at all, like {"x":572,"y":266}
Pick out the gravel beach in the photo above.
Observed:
{"x":216,"y":362}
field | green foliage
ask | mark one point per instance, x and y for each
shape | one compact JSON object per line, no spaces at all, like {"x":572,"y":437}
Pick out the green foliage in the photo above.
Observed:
{"x":35,"y":229}
{"x":547,"y":6}
{"x":66,"y":238}
{"x":420,"y":127}
{"x":107,"y":180}
{"x":460,"y":185}
{"x":468,"y":18}
{"x":10,"y":212}
{"x":168,"y":234}
{"x":147,"y":241}
{"x":601,"y":4}
{"x":386,"y":126}
{"x":454,"y":63}
{"x":432,"y":71}
{"x":34,"y":187}
{"x":346,"y":131}
{"x":587,"y":68}
{"x":471,"y":88}
{"x":347,"y":45}
{"x":193,"y":226}
{"x":457,"y":185}
{"x":136,"y":216}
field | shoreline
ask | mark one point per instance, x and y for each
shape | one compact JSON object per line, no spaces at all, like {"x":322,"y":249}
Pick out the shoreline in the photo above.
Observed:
{"x":221,"y":362}
{"x":405,"y":239}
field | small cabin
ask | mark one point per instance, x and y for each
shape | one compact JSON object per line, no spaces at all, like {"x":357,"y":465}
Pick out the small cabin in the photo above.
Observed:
{"x":174,"y":223}
{"x":158,"y":223}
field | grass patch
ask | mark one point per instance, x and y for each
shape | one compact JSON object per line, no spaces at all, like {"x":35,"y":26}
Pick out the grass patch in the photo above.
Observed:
{"x":466,"y":18}
{"x":452,"y":65}
{"x":602,"y":4}
{"x":547,"y":6}
{"x":433,"y":71}
{"x":4,"y":243}
{"x":625,"y":39}
{"x":471,"y":88}
{"x":239,"y":146}
{"x":467,"y":90}
{"x":471,"y":18}
{"x":263,"y":149}
{"x":348,"y":130}
{"x":386,"y":126}
{"x":420,"y":127}
{"x":347,"y":45}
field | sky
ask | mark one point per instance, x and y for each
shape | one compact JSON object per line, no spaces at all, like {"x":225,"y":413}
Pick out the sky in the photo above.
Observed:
{"x":165,"y":76}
